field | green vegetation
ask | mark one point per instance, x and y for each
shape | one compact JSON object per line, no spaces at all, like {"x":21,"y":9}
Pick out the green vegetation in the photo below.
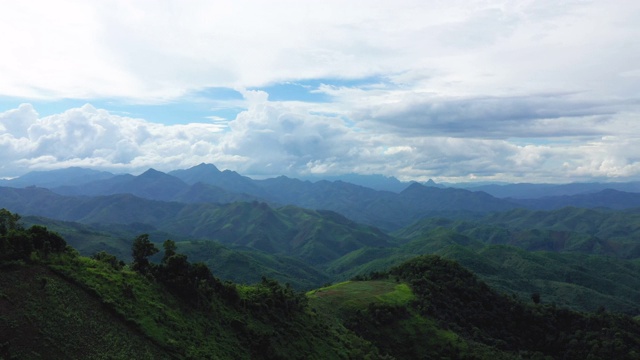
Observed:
{"x":455,"y":297}
{"x":517,"y":252}
{"x":578,"y":270}
{"x":174,"y":309}
{"x":55,"y":303}
{"x":350,"y":295}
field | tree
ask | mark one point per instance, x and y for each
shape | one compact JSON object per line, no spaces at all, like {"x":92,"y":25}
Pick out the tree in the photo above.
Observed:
{"x":141,"y":249}
{"x":169,"y":250}
{"x":107,"y":258}
{"x":8,"y":221}
{"x":46,"y":240}
{"x":536,"y":298}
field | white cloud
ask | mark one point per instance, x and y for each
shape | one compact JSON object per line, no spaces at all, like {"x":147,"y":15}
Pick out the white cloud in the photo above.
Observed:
{"x":271,"y":139}
{"x":95,"y":138}
{"x":150,"y":51}
{"x":518,"y":90}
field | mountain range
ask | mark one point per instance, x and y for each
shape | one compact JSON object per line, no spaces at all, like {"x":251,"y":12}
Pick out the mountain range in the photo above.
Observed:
{"x":387,"y":210}
{"x":359,"y":250}
{"x":307,"y":233}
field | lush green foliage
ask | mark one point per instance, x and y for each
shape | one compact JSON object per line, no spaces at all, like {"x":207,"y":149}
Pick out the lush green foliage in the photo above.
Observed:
{"x":455,"y":297}
{"x":17,"y":243}
{"x":175,"y":308}
{"x":427,"y":307}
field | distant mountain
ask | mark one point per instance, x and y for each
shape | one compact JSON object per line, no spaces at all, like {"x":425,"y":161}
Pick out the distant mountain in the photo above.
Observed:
{"x":533,"y":191}
{"x":206,"y":193}
{"x":314,"y":236}
{"x":374,"y":181}
{"x":95,"y":188}
{"x":384,"y":209}
{"x":151,"y":184}
{"x":608,"y":198}
{"x":434,"y":198}
{"x":156,"y":185}
{"x":387,"y":210}
{"x":54,"y":178}
{"x":228,"y":180}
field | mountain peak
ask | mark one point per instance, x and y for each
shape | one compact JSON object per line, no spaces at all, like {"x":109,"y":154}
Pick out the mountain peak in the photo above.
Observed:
{"x":205,"y":166}
{"x":152,"y":173}
{"x":414,"y":186}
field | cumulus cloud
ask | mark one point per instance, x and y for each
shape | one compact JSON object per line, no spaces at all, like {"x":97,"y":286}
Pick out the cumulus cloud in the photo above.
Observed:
{"x":524,"y":91}
{"x":93,"y":137}
{"x":272,"y":138}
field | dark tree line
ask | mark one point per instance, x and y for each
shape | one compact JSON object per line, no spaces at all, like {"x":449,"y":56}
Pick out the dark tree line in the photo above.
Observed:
{"x":18,"y":243}
{"x":193,"y":282}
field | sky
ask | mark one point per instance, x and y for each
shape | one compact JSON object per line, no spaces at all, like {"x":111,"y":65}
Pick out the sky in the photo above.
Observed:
{"x":455,"y":91}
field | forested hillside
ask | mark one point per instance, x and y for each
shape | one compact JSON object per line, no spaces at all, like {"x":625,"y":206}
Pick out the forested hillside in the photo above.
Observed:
{"x":231,"y":248}
{"x":55,"y":303}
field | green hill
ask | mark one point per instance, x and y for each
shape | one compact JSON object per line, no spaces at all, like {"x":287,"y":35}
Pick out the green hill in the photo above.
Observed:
{"x":311,"y":248}
{"x":568,"y":279}
{"x":59,"y":305}
{"x":430,"y":307}
{"x":56,"y":304}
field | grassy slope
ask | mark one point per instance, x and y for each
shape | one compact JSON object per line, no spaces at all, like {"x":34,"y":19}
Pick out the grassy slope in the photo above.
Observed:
{"x":221,"y":330}
{"x":354,"y":295}
{"x":43,"y":315}
{"x":381,"y":311}
{"x":57,"y":304}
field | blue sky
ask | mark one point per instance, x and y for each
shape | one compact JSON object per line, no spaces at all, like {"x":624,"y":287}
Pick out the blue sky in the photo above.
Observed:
{"x":451,"y":90}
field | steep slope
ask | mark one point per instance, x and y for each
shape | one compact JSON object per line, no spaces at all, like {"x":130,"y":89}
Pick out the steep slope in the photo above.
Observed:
{"x":454,"y":296}
{"x":428,"y":307}
{"x":313,"y":236}
{"x":44,"y":315}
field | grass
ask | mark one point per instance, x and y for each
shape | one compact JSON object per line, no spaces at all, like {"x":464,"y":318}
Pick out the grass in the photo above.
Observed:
{"x":45,"y":316}
{"x":350,"y":295}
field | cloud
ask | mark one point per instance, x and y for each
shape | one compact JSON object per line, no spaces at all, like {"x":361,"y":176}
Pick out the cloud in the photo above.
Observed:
{"x":454,"y":89}
{"x":553,"y":115}
{"x":273,"y":138}
{"x":160,"y":52}
{"x":92,"y":137}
